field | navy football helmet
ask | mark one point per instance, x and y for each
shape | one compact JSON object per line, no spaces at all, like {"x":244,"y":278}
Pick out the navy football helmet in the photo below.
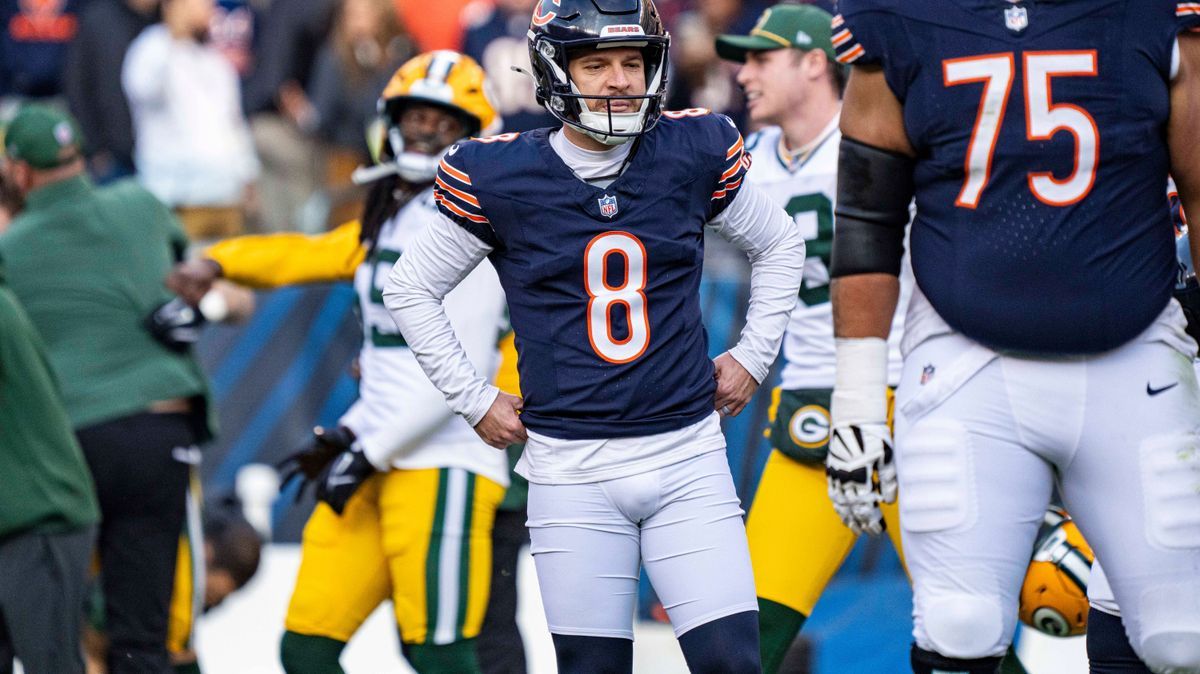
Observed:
{"x":561,"y":27}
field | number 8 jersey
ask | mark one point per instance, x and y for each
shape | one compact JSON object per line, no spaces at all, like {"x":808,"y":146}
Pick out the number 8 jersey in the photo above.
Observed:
{"x":1040,"y":136}
{"x":602,"y":283}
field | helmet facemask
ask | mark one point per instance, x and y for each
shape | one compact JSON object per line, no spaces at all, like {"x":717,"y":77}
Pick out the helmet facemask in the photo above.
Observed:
{"x":562,"y":98}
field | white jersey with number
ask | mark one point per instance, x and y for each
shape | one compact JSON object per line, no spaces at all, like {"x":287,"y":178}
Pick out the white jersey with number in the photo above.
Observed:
{"x":400,"y":418}
{"x":807,"y":189}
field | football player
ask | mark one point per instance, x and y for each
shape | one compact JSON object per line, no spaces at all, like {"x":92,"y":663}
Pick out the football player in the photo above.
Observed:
{"x":1042,"y":342}
{"x":793,"y":85}
{"x":407,"y":492}
{"x":596,"y":230}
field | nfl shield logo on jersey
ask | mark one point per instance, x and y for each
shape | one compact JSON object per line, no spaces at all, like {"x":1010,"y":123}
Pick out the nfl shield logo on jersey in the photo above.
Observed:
{"x":1016,"y":18}
{"x":608,"y":205}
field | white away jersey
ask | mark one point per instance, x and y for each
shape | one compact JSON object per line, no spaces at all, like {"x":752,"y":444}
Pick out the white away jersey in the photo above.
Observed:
{"x":807,"y":190}
{"x":399,"y":413}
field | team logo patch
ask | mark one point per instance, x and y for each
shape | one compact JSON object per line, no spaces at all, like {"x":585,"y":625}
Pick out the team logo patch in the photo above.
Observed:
{"x":608,"y":205}
{"x":1016,"y":19}
{"x":63,"y":133}
{"x":809,"y":426}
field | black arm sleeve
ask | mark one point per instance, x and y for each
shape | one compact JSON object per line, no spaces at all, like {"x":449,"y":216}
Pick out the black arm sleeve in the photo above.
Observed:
{"x":875,"y":188}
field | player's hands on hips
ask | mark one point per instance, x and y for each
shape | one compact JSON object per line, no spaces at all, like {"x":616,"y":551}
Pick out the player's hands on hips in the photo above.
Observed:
{"x":860,"y":473}
{"x":735,"y":385}
{"x":501,"y":426}
{"x":343,"y":476}
{"x":311,"y":460}
{"x":192,"y":279}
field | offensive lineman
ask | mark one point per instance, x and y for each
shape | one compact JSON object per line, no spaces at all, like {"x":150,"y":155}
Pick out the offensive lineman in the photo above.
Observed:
{"x":596,"y":230}
{"x":407,"y":492}
{"x":1043,"y":342}
{"x":794,"y":85}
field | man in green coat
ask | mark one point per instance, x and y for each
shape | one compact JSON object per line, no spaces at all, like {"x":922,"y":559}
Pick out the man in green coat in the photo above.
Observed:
{"x":48,"y":507}
{"x":88,"y":265}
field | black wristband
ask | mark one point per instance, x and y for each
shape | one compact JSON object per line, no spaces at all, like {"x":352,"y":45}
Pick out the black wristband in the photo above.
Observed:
{"x":875,"y":188}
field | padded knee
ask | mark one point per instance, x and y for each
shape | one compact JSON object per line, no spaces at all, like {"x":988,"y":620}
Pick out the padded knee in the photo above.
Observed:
{"x":966,"y":626}
{"x":928,"y":662}
{"x":726,"y":645}
{"x":1176,"y":652}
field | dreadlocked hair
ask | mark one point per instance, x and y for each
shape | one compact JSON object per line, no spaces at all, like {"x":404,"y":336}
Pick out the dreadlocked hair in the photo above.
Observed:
{"x":385,"y":198}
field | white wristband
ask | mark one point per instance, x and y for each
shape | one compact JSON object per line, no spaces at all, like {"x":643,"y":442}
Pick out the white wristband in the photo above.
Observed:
{"x":860,"y":384}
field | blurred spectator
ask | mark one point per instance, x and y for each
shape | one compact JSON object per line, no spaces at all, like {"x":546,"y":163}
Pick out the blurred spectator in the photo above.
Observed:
{"x":192,"y":144}
{"x":133,"y":391}
{"x":496,"y":37}
{"x":290,"y":35}
{"x":34,"y":35}
{"x":433,"y":25}
{"x":92,"y":82}
{"x":11,"y":200}
{"x":699,"y":79}
{"x":367,"y":45}
{"x":232,"y":31}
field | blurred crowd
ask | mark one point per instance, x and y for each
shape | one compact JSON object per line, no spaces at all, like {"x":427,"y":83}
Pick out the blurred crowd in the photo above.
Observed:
{"x":250,"y":115}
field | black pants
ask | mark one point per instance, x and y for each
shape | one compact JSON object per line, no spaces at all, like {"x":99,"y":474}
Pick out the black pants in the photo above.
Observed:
{"x":42,"y":581}
{"x":141,"y":481}
{"x":499,"y":646}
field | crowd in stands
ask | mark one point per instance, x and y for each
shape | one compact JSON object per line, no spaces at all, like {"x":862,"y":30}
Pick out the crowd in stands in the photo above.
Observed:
{"x":250,"y":115}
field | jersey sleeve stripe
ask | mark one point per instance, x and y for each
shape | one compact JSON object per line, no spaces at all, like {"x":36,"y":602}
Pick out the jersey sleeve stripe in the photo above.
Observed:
{"x":842,"y":37}
{"x":464,"y":196}
{"x":454,"y":173}
{"x":735,"y":148}
{"x":450,"y":206}
{"x":850,"y":55}
{"x":1187,"y":8}
{"x":837,"y":21}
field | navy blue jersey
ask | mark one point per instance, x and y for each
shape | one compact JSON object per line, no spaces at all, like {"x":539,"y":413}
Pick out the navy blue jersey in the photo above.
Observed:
{"x":602,"y":284}
{"x":1040,"y":132}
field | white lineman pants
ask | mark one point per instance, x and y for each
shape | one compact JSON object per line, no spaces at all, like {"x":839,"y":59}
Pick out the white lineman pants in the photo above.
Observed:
{"x":980,"y":439}
{"x":683,"y":521}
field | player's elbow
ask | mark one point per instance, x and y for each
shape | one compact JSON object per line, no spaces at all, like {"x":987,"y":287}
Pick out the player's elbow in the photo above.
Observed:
{"x":401,"y":293}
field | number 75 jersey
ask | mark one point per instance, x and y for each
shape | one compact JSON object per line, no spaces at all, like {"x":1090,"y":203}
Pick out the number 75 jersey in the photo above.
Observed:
{"x":1040,"y":132}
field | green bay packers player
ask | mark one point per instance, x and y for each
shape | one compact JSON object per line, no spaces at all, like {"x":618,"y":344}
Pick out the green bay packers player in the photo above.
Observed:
{"x":793,"y":85}
{"x":406,"y":490}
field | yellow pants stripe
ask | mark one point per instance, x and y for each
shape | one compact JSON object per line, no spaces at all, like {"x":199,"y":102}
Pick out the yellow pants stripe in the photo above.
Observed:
{"x":187,"y":595}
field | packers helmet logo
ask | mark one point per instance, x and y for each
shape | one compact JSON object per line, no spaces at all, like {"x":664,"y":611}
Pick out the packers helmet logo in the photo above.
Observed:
{"x":809,"y":426}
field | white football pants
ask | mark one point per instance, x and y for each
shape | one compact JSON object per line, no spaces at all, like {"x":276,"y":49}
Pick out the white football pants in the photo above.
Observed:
{"x":981,"y":437}
{"x":683,"y":521}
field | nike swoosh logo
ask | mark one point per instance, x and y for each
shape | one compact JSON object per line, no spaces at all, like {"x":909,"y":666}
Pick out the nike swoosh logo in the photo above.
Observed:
{"x":1150,"y":391}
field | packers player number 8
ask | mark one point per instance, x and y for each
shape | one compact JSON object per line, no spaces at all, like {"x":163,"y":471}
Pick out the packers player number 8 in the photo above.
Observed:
{"x":604,"y":299}
{"x":1043,"y":120}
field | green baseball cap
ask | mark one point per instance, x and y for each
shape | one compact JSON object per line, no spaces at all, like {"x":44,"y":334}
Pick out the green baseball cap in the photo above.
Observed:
{"x":785,"y":26}
{"x":42,"y":137}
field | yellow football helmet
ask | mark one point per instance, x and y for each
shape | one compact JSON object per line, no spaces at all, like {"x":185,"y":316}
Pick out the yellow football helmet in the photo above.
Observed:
{"x":1054,"y":595}
{"x":444,"y":78}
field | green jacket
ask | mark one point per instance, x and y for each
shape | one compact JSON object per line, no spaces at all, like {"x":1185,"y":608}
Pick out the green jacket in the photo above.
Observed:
{"x":45,"y":484}
{"x":88,"y":265}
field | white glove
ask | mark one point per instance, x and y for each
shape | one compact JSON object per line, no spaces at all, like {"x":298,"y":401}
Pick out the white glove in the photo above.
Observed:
{"x":859,"y":468}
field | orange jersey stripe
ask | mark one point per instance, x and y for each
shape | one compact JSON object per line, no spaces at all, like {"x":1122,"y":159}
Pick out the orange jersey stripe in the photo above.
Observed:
{"x":458,"y":211}
{"x":732,"y":171}
{"x":458,"y":193}
{"x":841,"y":38}
{"x":734,"y":149}
{"x":454,"y":173}
{"x":852,"y":55}
{"x":838,"y":20}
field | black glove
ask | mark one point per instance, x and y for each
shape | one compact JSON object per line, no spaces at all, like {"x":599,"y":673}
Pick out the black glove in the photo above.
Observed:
{"x":175,"y":324}
{"x":311,"y":459}
{"x":343,"y":477}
